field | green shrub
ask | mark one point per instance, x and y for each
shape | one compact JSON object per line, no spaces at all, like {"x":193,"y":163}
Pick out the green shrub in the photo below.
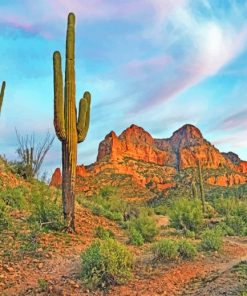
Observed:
{"x":15,"y":197}
{"x":190,"y":234}
{"x":186,"y":214}
{"x":102,"y":233}
{"x":106,"y":203}
{"x":4,"y":216}
{"x":46,"y":211}
{"x":142,"y":228}
{"x":186,"y":249}
{"x":135,"y":237}
{"x":225,"y":229}
{"x":105,"y":263}
{"x":165,"y":250}
{"x":212,"y":239}
{"x":237,"y":224}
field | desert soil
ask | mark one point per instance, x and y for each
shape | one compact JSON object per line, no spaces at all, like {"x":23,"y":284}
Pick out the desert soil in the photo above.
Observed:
{"x":59,"y":267}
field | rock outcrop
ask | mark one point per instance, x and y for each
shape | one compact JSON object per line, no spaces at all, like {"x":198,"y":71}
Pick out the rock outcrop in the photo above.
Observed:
{"x":153,"y":163}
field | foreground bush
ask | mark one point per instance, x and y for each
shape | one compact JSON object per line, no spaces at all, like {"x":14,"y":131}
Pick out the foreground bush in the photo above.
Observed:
{"x":186,"y":249}
{"x":46,"y":210}
{"x":105,"y":263}
{"x":142,"y":229}
{"x":212,"y":239}
{"x":102,"y":233}
{"x":186,"y":215}
{"x":4,"y":217}
{"x":165,"y":250}
{"x":15,"y":197}
{"x":237,"y":224}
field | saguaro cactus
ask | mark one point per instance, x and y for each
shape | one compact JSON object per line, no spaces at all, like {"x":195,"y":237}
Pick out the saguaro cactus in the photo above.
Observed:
{"x":202,"y":194}
{"x":69,"y":129}
{"x":2,"y":94}
{"x":194,"y":190}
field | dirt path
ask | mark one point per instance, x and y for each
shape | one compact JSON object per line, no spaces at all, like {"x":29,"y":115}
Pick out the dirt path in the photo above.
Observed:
{"x":57,"y":273}
{"x":220,"y":282}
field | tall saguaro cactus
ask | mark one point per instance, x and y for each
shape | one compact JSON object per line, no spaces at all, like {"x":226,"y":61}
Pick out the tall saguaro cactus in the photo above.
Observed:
{"x":202,"y":194}
{"x":69,"y":129}
{"x":2,"y":94}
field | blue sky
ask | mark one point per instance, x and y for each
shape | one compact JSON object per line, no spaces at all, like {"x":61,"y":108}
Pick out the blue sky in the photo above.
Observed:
{"x":156,"y":63}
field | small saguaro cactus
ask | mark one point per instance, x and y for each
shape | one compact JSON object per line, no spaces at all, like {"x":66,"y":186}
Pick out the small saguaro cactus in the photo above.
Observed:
{"x":194,"y":190}
{"x":69,"y":129}
{"x":2,"y":94}
{"x":202,"y":194}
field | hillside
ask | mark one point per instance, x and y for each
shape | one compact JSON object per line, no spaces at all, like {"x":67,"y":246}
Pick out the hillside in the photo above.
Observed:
{"x":145,"y":166}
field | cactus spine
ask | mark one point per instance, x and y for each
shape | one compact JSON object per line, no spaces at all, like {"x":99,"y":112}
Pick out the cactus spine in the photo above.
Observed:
{"x":69,"y":129}
{"x":202,"y":194}
{"x":2,"y":94}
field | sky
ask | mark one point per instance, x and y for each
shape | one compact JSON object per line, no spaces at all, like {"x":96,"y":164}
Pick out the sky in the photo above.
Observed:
{"x":156,"y":63}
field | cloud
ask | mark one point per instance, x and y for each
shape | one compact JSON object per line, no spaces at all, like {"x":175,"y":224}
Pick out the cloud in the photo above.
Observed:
{"x":237,"y":120}
{"x":200,"y":49}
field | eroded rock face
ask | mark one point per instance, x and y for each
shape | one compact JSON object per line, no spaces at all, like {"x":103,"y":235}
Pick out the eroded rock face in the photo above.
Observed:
{"x":227,"y":180}
{"x":56,"y":179}
{"x":153,"y":163}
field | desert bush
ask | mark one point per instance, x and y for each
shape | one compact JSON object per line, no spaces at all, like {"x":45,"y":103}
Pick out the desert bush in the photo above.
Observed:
{"x":225,"y":229}
{"x":237,"y":224}
{"x":15,"y":197}
{"x":106,"y":203}
{"x":186,"y":249}
{"x":102,"y":233}
{"x":142,"y":229}
{"x":165,"y":250}
{"x":135,"y":237}
{"x":186,"y":215}
{"x":189,"y":234}
{"x":46,"y":210}
{"x":212,"y":239}
{"x":105,"y":263}
{"x":4,"y":217}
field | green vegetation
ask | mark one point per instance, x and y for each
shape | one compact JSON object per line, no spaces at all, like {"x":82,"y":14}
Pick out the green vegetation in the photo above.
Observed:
{"x":142,"y":229}
{"x":165,"y":250}
{"x":186,"y":249}
{"x":186,"y":215}
{"x":105,"y":263}
{"x":70,"y":130}
{"x":106,"y":203}
{"x":212,"y":239}
{"x":102,"y":233}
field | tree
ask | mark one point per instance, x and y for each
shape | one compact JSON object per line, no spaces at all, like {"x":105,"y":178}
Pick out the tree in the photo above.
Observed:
{"x":32,"y":154}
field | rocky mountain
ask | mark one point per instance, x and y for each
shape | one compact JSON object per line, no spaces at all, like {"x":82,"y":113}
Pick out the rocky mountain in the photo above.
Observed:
{"x":140,"y":164}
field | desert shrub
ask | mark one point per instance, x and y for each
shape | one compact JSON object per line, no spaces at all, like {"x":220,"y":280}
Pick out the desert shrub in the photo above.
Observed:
{"x":105,"y":263}
{"x":210,"y":211}
{"x":106,"y":203}
{"x":212,"y":239}
{"x":102,"y":233}
{"x":237,"y":224}
{"x":225,"y":229}
{"x":15,"y":197}
{"x":165,"y":250}
{"x":189,"y":234}
{"x":186,"y":249}
{"x":46,"y":210}
{"x":4,"y":217}
{"x":135,"y":237}
{"x":142,"y":228}
{"x":186,"y":214}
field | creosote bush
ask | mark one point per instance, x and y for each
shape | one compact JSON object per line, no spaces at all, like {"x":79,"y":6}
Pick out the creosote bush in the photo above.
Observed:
{"x":106,"y":262}
{"x":186,"y":215}
{"x":142,"y":229}
{"x":165,"y":250}
{"x":46,"y":209}
{"x":186,"y":249}
{"x":102,"y":233}
{"x":212,"y":239}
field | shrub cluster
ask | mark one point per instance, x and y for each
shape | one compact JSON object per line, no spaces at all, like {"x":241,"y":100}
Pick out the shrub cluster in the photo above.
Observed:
{"x":212,"y":239}
{"x":106,"y":262}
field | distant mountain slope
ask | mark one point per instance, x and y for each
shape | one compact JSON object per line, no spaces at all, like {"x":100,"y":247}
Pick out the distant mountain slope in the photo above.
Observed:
{"x":140,"y":164}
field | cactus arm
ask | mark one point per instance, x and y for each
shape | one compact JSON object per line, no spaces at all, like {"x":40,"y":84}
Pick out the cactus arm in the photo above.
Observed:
{"x":2,"y":94}
{"x":84,"y":117}
{"x":58,"y":97}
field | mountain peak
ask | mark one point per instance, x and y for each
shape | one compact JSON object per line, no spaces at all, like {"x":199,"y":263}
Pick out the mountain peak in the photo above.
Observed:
{"x":188,"y":130}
